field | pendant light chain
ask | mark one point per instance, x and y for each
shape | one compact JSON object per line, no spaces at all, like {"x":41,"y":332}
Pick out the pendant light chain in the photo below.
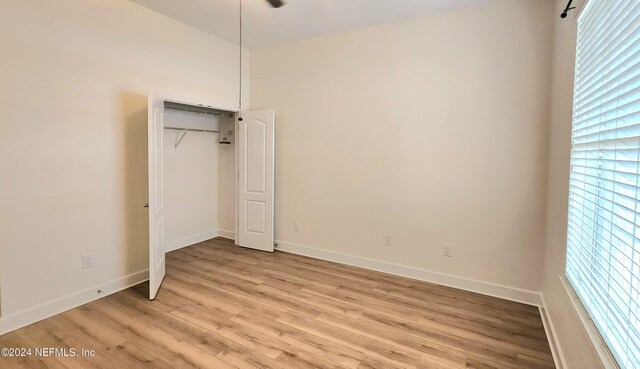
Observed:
{"x":240,"y":59}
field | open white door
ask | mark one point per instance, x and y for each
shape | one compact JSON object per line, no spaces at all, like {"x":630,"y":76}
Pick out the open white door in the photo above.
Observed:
{"x":156,"y":196}
{"x":256,"y":134}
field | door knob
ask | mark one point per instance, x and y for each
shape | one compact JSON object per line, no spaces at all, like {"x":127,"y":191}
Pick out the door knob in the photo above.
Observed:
{"x":146,"y":205}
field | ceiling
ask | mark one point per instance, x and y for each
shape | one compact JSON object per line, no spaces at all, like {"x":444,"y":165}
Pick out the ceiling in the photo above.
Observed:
{"x":297,"y":20}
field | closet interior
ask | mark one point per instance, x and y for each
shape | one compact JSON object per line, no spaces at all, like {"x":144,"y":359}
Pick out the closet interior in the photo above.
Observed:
{"x":199,"y":168}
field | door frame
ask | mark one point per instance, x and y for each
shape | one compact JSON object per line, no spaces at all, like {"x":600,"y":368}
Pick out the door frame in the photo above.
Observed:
{"x":196,"y":101}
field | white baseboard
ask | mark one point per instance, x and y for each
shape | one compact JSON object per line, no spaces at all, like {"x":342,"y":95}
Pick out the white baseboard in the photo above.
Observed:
{"x":62,"y":304}
{"x":191,"y":240}
{"x":57,"y":306}
{"x":552,"y":337}
{"x":468,"y":284}
{"x":227,"y":234}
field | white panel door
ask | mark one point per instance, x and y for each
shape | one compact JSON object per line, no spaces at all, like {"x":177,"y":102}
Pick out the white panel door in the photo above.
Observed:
{"x":156,"y":195}
{"x":256,"y":135}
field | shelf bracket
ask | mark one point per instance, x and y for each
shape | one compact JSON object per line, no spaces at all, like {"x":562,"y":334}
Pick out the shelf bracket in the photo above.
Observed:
{"x":178,"y":140}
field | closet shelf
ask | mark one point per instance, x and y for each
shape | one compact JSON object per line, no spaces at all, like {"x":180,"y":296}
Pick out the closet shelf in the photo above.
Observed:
{"x":199,"y":109}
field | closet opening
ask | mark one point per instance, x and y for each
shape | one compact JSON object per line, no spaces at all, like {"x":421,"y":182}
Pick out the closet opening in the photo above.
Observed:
{"x":211,"y":174}
{"x":199,"y":172}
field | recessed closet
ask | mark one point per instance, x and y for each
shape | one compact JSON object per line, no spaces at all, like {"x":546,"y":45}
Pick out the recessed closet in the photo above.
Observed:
{"x":211,"y":173}
{"x":199,"y":170}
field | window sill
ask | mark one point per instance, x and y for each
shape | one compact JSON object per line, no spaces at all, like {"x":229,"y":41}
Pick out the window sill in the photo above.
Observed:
{"x":606,"y":357}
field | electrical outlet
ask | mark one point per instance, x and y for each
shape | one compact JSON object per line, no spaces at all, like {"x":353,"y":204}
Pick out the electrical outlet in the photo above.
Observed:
{"x":387,"y":240}
{"x":87,"y":261}
{"x":296,"y":226}
{"x":447,"y":251}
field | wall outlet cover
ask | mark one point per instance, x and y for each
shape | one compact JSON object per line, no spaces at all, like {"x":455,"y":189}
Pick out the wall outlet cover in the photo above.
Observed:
{"x":447,"y":251}
{"x":87,"y":261}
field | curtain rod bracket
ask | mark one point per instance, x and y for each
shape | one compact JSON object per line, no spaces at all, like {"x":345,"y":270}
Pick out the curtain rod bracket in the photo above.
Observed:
{"x":567,"y":9}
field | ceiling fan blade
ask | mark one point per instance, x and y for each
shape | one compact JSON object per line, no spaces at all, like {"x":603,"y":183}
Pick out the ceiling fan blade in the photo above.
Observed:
{"x":276,"y":3}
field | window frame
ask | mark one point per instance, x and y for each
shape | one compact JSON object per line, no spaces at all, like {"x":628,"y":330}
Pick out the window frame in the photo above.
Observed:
{"x":600,"y":345}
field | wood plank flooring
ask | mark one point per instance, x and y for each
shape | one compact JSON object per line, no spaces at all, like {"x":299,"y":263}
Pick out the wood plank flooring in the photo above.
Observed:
{"x":222,"y":306}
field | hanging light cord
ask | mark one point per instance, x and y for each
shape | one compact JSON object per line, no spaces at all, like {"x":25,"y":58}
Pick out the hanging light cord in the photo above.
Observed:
{"x":240,"y":59}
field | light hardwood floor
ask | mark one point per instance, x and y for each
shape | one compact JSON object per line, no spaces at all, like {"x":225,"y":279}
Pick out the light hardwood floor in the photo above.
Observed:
{"x":222,"y":306}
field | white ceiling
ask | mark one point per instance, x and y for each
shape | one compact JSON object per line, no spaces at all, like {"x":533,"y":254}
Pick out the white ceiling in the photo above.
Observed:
{"x":297,"y":20}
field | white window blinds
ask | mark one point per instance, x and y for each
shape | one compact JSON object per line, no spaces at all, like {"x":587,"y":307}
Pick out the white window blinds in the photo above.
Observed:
{"x":603,"y":240}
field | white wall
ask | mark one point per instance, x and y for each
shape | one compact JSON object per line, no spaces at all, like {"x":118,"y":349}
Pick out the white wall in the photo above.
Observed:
{"x":191,"y":180}
{"x":431,"y":130}
{"x":73,"y":100}
{"x":576,"y":348}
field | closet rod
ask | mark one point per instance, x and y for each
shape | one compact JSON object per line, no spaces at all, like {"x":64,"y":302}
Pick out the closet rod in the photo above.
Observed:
{"x":185,"y":130}
{"x":192,"y":130}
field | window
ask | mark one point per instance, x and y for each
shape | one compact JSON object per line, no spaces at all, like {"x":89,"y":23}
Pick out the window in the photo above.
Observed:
{"x":603,"y":237}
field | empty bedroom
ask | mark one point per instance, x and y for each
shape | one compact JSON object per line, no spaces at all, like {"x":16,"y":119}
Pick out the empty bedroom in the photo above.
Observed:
{"x":320,"y":184}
